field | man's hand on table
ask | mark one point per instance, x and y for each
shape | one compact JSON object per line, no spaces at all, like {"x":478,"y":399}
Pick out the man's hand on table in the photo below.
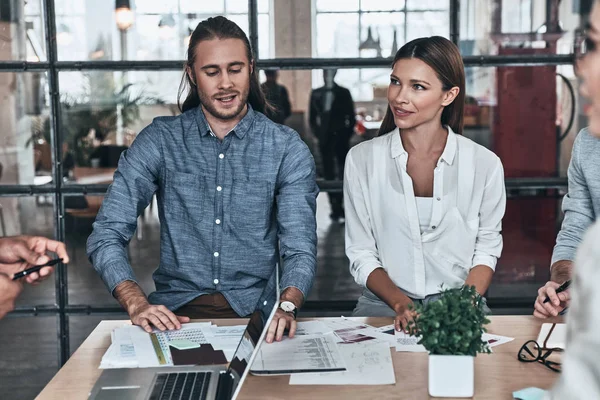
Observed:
{"x":285,"y":320}
{"x":144,"y":314}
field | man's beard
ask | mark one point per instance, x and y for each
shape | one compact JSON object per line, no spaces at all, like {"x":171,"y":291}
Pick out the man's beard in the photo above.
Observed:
{"x":209,"y":105}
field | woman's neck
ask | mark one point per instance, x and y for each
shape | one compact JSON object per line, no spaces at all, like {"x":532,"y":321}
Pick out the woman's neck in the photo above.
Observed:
{"x":425,"y":139}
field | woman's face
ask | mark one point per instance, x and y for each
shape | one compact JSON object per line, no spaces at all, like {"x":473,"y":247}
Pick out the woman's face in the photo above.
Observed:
{"x":588,"y":68}
{"x":416,"y":95}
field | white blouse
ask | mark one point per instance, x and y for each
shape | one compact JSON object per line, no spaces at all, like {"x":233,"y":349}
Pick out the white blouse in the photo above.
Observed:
{"x":424,"y":208}
{"x":382,"y":219}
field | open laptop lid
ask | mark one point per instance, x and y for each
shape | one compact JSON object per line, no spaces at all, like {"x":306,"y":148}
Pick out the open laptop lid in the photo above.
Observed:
{"x":255,"y":333}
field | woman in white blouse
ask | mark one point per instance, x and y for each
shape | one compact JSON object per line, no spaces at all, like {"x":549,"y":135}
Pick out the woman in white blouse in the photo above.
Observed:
{"x":424,"y":205}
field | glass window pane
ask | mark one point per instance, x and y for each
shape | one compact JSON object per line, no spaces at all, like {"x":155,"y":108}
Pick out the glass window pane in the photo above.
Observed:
{"x":204,"y":7}
{"x":25,"y":134}
{"x":382,"y":5}
{"x":428,"y":4}
{"x":421,"y":24}
{"x":158,"y":32}
{"x":338,"y":35}
{"x":336,"y":5}
{"x":264,"y":36}
{"x":153,"y":6}
{"x":97,"y":120}
{"x":383,"y":27}
{"x":518,"y":19}
{"x":33,"y":216}
{"x":237,"y":6}
{"x":70,"y":7}
{"x":22,"y":39}
{"x":32,"y":352}
{"x":263,"y":6}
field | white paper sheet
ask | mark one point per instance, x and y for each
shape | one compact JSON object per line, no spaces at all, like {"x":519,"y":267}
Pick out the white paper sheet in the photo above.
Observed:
{"x":305,"y":353}
{"x":312,"y":328}
{"x":406,"y":342}
{"x":367,"y":363}
{"x":224,"y":338}
{"x":495,"y":340}
{"x":558,"y":337}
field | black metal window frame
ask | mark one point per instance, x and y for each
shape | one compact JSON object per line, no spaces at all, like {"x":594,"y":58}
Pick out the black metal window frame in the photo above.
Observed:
{"x":62,"y":309}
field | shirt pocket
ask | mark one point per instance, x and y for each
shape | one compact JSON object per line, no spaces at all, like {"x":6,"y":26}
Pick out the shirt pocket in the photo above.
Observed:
{"x":250,"y":206}
{"x":455,"y":242}
{"x":183,"y":197}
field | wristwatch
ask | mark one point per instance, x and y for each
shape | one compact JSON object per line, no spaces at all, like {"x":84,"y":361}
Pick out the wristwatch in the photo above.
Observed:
{"x":289,"y":307}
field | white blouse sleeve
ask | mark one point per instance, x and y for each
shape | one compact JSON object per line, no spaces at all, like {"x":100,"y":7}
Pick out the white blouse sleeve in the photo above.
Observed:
{"x":488,"y":245}
{"x":361,"y":247}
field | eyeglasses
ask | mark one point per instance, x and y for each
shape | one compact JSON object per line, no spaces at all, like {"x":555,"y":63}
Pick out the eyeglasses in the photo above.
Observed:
{"x":532,"y":352}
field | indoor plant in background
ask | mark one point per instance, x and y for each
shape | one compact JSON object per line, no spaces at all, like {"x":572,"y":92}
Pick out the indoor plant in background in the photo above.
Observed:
{"x":450,"y":329}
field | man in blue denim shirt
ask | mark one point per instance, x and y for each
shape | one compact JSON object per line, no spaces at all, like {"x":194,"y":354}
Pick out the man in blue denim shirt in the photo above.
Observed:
{"x":235,"y":192}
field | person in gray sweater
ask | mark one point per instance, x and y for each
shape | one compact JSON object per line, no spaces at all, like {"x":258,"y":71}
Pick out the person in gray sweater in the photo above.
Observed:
{"x":580,"y":377}
{"x":581,"y":206}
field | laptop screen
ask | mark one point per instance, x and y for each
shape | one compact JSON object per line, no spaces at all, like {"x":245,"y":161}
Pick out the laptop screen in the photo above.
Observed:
{"x":255,"y":331}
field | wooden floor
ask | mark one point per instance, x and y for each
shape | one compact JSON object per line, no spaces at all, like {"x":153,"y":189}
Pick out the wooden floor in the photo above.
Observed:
{"x":29,"y":345}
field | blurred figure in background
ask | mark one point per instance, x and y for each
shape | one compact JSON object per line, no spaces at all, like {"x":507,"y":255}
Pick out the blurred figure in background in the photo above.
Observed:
{"x":332,"y":118}
{"x":277,"y":95}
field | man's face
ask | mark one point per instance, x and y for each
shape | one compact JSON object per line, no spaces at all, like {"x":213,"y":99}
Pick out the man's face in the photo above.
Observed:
{"x":221,"y":72}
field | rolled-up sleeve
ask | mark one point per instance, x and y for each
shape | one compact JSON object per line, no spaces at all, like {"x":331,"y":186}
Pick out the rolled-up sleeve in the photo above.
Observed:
{"x":296,"y":200}
{"x":361,"y":247}
{"x":578,"y":210}
{"x":488,"y":244}
{"x":135,"y":181}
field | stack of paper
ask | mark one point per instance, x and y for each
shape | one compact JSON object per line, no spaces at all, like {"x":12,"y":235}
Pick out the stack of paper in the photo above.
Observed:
{"x":367,"y":363}
{"x":303,"y":353}
{"x":132,"y":347}
{"x":121,"y":353}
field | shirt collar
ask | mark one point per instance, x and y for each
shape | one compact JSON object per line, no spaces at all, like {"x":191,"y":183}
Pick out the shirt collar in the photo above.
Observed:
{"x":239,"y":130}
{"x":397,"y":149}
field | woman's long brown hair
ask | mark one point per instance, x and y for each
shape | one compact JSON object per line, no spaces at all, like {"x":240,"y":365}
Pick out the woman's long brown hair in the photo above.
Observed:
{"x":444,"y":58}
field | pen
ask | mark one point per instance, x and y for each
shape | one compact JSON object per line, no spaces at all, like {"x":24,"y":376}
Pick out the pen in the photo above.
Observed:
{"x":35,"y":268}
{"x":561,"y":288}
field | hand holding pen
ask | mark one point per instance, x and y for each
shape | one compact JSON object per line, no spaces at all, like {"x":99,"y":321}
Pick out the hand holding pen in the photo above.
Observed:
{"x":18,"y":253}
{"x":552,"y":299}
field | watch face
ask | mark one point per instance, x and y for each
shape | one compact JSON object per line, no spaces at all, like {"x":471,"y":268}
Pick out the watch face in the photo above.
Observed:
{"x":287,"y":306}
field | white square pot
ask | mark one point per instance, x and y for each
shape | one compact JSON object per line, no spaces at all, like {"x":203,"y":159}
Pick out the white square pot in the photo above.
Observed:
{"x":451,"y":376}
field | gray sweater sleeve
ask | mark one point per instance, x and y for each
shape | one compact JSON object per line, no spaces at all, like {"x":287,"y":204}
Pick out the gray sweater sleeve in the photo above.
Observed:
{"x":577,"y":206}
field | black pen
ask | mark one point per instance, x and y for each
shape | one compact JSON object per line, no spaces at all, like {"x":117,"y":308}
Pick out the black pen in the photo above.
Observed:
{"x":561,"y":288}
{"x":35,"y":268}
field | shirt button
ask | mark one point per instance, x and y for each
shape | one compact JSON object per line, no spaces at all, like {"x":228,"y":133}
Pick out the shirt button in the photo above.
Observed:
{"x":265,"y":303}
{"x":216,"y":281}
{"x":433,"y":227}
{"x":216,"y":254}
{"x":438,"y":199}
{"x":219,"y":188}
{"x":218,"y":221}
{"x":221,"y":155}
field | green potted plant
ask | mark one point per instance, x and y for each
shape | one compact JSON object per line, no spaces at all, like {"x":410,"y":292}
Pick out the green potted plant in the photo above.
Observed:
{"x":450,"y":329}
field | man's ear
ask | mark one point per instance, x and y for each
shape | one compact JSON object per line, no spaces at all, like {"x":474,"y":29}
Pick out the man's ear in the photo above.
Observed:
{"x":190,"y":74}
{"x":251,"y":67}
{"x":450,"y":96}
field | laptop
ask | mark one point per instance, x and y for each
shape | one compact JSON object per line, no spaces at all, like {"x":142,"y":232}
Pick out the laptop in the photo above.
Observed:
{"x":214,"y":382}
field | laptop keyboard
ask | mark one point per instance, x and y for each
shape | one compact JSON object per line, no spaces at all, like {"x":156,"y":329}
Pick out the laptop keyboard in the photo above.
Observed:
{"x":181,"y":386}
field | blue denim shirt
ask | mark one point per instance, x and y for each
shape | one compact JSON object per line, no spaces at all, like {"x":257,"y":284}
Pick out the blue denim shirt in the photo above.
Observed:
{"x":228,"y":210}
